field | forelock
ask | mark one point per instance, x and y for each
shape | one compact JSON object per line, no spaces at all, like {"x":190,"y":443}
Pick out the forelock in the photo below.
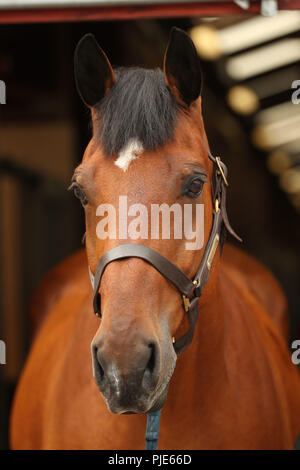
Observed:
{"x":138,"y":106}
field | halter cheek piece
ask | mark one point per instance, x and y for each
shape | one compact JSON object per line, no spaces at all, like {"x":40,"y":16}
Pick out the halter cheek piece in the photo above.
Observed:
{"x":190,"y":290}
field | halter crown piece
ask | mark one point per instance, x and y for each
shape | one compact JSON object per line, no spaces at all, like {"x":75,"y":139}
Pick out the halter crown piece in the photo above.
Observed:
{"x":190,"y":290}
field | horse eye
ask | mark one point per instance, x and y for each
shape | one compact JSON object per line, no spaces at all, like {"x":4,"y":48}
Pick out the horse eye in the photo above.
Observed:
{"x":193,"y":186}
{"x":79,"y":193}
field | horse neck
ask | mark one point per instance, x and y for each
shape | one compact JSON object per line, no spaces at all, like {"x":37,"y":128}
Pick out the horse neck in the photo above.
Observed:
{"x":203,"y":363}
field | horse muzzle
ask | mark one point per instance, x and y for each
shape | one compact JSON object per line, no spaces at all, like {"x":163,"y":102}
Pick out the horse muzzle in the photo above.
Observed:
{"x":127,"y":385}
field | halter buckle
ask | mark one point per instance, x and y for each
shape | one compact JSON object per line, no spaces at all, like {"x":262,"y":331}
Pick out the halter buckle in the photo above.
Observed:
{"x":220,"y":171}
{"x":186,"y":302}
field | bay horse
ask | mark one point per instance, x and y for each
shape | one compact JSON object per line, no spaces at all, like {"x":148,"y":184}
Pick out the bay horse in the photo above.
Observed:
{"x":235,"y":386}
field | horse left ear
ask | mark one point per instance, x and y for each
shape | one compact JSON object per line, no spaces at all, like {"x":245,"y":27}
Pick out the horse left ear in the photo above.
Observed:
{"x":182,"y":68}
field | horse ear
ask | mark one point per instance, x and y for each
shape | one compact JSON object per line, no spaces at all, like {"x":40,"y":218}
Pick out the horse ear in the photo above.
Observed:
{"x":182,"y":68}
{"x":93,"y":73}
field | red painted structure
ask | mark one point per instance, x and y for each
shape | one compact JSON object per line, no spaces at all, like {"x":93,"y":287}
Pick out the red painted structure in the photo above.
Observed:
{"x":169,"y":10}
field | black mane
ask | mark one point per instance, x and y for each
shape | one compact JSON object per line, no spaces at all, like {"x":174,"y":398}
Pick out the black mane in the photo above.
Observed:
{"x":139,"y":105}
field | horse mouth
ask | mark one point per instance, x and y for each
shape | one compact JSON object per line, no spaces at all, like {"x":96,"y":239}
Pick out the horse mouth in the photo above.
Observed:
{"x":135,"y":405}
{"x":154,"y":408}
{"x":117,"y":408}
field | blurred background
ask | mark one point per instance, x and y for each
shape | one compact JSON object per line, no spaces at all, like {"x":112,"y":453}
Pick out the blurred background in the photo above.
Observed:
{"x":249,"y":64}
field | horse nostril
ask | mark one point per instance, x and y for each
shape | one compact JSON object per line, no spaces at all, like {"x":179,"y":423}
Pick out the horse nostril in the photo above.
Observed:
{"x":98,"y":366}
{"x":100,"y":370}
{"x":151,"y":362}
{"x":150,"y":376}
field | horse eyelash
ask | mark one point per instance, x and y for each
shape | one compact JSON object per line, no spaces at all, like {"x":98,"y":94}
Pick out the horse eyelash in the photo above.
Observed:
{"x":75,"y":184}
{"x":72,"y":185}
{"x":189,"y":179}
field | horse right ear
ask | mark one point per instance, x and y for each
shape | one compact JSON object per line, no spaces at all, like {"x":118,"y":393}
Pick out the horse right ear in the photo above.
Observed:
{"x":93,"y":73}
{"x":181,"y":67}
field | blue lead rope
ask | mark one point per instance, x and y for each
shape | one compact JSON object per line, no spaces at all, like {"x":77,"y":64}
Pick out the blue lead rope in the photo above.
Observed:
{"x":152,"y":430}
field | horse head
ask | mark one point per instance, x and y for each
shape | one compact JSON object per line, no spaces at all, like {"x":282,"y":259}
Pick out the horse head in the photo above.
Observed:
{"x":148,"y":151}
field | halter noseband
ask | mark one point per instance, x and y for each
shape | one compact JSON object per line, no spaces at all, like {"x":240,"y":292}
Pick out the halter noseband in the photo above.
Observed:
{"x":190,"y":290}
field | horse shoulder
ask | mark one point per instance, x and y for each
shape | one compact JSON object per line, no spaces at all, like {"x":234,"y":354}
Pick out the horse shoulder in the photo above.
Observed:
{"x":62,"y":317}
{"x":54,"y":285}
{"x":256,"y":346}
{"x":247,"y":272}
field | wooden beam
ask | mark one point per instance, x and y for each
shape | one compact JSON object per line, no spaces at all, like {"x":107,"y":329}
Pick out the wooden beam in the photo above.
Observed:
{"x":11,"y":284}
{"x":130,"y":12}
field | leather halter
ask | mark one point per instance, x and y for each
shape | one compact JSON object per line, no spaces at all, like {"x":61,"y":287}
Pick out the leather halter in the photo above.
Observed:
{"x":189,"y":289}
